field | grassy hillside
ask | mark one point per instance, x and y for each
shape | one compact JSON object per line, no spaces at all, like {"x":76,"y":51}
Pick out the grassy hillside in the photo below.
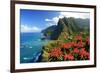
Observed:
{"x":68,"y":41}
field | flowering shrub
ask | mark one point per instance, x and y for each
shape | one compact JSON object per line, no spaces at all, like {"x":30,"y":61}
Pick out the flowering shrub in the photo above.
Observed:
{"x":78,"y":38}
{"x":88,"y":41}
{"x":84,"y":54}
{"x":67,"y":45}
{"x":74,"y":50}
{"x":78,"y":48}
{"x":55,"y":52}
{"x":68,"y":57}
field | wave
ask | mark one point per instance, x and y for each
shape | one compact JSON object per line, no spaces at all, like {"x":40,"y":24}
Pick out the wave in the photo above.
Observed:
{"x":33,"y":59}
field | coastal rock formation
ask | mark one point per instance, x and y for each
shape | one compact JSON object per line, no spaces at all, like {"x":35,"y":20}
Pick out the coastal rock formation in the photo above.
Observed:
{"x":66,"y":26}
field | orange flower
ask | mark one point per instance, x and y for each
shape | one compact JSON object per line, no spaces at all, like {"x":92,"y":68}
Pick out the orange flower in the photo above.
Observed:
{"x":88,"y":55}
{"x":78,"y":38}
{"x":56,"y":52}
{"x":67,"y":45}
{"x":68,"y":57}
{"x":76,"y":50}
{"x":84,"y":53}
{"x":80,"y":44}
{"x":88,"y":40}
{"x":74,"y":44}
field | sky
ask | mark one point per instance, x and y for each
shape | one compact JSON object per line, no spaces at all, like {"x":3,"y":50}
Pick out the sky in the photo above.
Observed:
{"x":37,"y":20}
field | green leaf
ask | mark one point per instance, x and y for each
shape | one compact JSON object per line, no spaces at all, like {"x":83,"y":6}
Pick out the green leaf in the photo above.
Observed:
{"x":76,"y":55}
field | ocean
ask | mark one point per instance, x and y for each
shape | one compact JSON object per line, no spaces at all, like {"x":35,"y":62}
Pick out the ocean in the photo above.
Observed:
{"x":31,"y":47}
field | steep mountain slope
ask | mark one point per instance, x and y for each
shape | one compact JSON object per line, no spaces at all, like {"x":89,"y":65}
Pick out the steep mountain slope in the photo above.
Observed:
{"x":66,"y":26}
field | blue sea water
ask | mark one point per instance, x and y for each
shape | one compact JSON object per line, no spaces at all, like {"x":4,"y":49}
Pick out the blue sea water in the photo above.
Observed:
{"x":30,"y":47}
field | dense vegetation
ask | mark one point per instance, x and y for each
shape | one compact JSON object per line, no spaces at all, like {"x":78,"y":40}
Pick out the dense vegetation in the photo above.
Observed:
{"x":69,"y":40}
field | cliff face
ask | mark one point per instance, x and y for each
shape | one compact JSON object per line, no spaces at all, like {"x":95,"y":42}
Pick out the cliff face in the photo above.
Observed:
{"x":65,"y":27}
{"x":60,"y":28}
{"x":64,"y":32}
{"x":48,"y":31}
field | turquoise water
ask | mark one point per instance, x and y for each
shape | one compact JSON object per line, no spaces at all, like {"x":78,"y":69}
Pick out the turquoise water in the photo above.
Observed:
{"x":30,"y":47}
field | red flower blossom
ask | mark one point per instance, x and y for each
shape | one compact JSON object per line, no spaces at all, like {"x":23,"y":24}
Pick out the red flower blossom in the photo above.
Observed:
{"x":88,"y":40}
{"x":78,"y":38}
{"x":56,"y":52}
{"x":87,"y":55}
{"x":74,"y":44}
{"x":84,"y":53}
{"x":68,"y":57}
{"x":67,"y":45}
{"x":80,"y":44}
{"x":76,"y":50}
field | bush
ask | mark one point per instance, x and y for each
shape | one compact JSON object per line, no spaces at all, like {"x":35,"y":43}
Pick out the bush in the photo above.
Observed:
{"x":74,"y":47}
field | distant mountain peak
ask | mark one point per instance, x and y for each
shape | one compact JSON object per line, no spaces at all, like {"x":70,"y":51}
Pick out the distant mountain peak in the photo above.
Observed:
{"x":66,"y":26}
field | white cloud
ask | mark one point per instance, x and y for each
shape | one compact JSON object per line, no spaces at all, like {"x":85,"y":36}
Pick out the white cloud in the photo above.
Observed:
{"x":25,"y":28}
{"x":54,"y":20}
{"x":75,"y":15}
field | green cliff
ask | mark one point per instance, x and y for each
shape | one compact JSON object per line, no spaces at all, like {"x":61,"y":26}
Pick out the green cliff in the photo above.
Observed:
{"x":65,"y":31}
{"x":65,"y":26}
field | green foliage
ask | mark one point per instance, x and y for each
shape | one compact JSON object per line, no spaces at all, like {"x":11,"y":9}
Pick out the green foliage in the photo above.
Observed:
{"x":76,"y":56}
{"x":66,"y":26}
{"x":47,"y":47}
{"x":45,"y":56}
{"x":65,"y":31}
